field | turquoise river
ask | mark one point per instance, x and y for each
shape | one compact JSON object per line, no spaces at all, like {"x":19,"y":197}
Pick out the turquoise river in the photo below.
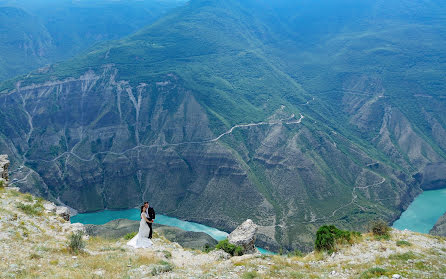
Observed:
{"x":423,"y":212}
{"x":102,"y":217}
{"x":420,"y":216}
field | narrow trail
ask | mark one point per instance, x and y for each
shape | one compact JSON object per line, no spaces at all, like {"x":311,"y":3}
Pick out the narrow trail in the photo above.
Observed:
{"x":22,"y":179}
{"x":287,"y":121}
{"x":355,"y":196}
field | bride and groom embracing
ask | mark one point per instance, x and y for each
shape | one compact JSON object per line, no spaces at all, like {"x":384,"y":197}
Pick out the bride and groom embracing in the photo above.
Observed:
{"x":144,"y":237}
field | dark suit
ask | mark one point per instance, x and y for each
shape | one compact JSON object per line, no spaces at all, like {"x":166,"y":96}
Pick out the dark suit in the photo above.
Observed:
{"x":150,"y":215}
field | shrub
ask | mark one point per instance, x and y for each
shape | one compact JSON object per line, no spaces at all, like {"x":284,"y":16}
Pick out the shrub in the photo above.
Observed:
{"x":229,"y":248}
{"x":403,"y":257}
{"x":30,"y":209}
{"x":380,"y":228}
{"x":328,"y":236}
{"x":34,"y":256}
{"x":373,"y":272}
{"x":162,"y":268}
{"x":295,"y":253}
{"x":167,"y":254}
{"x":28,"y":198}
{"x":130,"y":235}
{"x":250,"y":275}
{"x":208,"y":248}
{"x":76,"y":242}
{"x":403,"y":243}
{"x":2,"y":183}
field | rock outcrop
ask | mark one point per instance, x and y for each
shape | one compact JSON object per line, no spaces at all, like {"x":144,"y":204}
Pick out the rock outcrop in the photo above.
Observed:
{"x":120,"y":227}
{"x":245,"y":236}
{"x":63,"y":212}
{"x":439,"y":227}
{"x":4,"y":165}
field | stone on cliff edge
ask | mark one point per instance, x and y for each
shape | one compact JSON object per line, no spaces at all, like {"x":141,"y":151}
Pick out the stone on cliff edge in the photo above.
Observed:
{"x":63,"y":212}
{"x":4,"y":165}
{"x":245,"y":236}
{"x":74,"y":228}
{"x":49,"y":207}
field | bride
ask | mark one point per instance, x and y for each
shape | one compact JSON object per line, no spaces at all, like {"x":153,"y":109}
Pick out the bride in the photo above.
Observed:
{"x":141,"y":240}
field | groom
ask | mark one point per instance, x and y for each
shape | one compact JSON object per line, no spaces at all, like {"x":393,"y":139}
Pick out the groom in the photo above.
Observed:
{"x":150,"y":214}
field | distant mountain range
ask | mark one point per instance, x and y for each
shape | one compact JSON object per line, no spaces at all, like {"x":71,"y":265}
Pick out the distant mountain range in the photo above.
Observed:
{"x":37,"y":33}
{"x":292,"y":114}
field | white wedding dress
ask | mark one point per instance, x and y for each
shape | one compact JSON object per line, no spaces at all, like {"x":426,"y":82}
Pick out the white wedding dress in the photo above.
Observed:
{"x":141,"y":240}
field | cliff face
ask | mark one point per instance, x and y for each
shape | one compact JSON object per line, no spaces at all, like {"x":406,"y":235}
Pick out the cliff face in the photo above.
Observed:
{"x":439,"y":227}
{"x":4,"y":165}
{"x":95,"y":142}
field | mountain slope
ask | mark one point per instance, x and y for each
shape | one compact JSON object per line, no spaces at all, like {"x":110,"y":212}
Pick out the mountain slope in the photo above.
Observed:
{"x":227,"y":110}
{"x":37,"y":33}
{"x":25,"y":42}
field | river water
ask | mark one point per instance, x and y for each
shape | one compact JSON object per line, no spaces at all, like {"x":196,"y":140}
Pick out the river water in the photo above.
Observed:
{"x":102,"y":217}
{"x":420,"y":216}
{"x":423,"y":212}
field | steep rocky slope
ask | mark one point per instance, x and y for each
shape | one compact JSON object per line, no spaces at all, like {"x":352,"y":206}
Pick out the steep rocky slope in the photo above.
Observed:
{"x":155,"y":141}
{"x":221,"y":111}
{"x":439,"y":227}
{"x":35,"y":244}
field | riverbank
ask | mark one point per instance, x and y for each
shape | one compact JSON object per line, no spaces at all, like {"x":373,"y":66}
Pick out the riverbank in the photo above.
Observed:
{"x":105,"y":216}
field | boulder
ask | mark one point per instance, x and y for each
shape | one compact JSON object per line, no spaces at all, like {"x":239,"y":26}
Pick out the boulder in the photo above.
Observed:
{"x":219,"y":255}
{"x":49,"y":207}
{"x":63,"y":212}
{"x":74,"y":228}
{"x":245,"y":236}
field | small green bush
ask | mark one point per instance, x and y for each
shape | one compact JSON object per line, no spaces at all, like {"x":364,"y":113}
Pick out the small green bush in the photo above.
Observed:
{"x":229,"y":248}
{"x":30,"y":209}
{"x":380,"y":228}
{"x":208,"y":248}
{"x":167,"y":254}
{"x":403,"y":257}
{"x":130,"y":235}
{"x":162,"y":268}
{"x":76,"y":242}
{"x":250,"y":275}
{"x":328,"y":236}
{"x":35,"y":256}
{"x":2,"y":184}
{"x":373,"y":272}
{"x":295,"y":253}
{"x":28,"y":197}
{"x":403,"y":243}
